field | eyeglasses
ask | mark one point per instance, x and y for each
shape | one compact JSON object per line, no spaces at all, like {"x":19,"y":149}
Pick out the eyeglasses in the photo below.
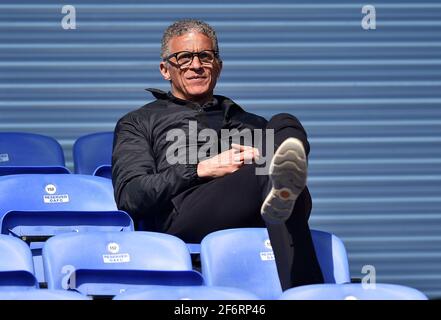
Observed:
{"x":185,"y":58}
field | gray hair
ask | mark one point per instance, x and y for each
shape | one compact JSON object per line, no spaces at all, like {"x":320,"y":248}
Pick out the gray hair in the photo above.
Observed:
{"x":184,"y":26}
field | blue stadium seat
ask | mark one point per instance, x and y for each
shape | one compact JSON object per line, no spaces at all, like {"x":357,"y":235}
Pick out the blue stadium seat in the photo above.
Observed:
{"x":186,"y":293}
{"x":92,"y":151}
{"x":104,"y":171}
{"x":36,"y":207}
{"x":40,"y":206}
{"x":30,"y":153}
{"x":332,"y":257}
{"x":41,"y":294}
{"x":16,"y":267}
{"x":353,"y":291}
{"x":108,"y":263}
{"x":243,"y":258}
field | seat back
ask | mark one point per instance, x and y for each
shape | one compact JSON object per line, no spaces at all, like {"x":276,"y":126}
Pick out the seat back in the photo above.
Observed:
{"x":39,"y":205}
{"x":353,"y":291}
{"x":186,"y":293}
{"x":92,"y":151}
{"x":30,"y":153}
{"x":106,"y":263}
{"x":332,"y":257}
{"x":16,"y":267}
{"x":243,"y":258}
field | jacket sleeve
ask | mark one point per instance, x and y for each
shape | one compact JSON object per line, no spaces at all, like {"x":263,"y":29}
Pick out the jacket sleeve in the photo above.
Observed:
{"x":139,"y":188}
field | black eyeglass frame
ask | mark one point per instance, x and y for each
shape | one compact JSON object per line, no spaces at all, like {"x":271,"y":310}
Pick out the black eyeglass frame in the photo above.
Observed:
{"x":175,"y":55}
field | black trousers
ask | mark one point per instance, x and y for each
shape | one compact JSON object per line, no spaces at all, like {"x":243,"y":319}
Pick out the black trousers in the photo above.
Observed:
{"x":234,"y":201}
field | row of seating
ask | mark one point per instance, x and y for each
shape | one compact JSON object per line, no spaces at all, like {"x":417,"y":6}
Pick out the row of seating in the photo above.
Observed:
{"x":36,"y":207}
{"x":45,"y":201}
{"x":34,"y":153}
{"x":150,"y":265}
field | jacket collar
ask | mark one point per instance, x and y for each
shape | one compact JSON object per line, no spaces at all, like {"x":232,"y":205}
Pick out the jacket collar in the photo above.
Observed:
{"x":228,"y":106}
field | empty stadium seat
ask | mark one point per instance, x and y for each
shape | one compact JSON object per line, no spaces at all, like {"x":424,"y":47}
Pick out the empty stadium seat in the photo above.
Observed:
{"x":41,"y":294}
{"x":16,"y":267}
{"x":45,"y":205}
{"x":92,"y":151}
{"x":243,"y":258}
{"x":104,"y":171}
{"x":30,"y":153}
{"x":108,"y":263}
{"x":332,"y":257}
{"x":36,"y":207}
{"x":39,"y":206}
{"x":353,"y":291}
{"x":186,"y":293}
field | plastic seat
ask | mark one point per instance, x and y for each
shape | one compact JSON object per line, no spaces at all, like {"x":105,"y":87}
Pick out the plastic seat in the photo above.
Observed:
{"x":243,"y":258}
{"x":41,"y":294}
{"x":36,"y":207}
{"x":186,"y":293}
{"x":16,"y":266}
{"x":332,"y":257}
{"x":92,"y":151}
{"x":104,"y":171}
{"x":353,"y":291}
{"x":108,"y":263}
{"x":30,"y":153}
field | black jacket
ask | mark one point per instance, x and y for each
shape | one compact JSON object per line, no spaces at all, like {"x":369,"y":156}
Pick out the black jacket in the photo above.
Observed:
{"x":144,"y":181}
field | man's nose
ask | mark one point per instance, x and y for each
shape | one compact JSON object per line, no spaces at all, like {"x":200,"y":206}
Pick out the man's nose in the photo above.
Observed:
{"x":196,"y":63}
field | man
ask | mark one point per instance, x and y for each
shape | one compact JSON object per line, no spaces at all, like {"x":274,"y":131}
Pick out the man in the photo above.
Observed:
{"x":191,"y":199}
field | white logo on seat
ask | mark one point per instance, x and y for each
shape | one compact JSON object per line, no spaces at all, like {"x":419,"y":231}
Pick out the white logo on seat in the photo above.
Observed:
{"x":50,"y":189}
{"x":267,"y":256}
{"x":267,"y":244}
{"x":113,"y":247}
{"x":4,"y":157}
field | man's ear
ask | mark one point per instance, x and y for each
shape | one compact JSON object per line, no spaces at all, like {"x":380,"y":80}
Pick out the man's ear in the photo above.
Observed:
{"x":220,"y":68}
{"x":164,"y":70}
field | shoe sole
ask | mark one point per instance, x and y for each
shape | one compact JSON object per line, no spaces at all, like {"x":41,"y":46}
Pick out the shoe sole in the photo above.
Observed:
{"x":288,"y":173}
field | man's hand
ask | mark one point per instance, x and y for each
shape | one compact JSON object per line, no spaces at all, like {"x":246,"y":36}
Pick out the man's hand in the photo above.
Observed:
{"x":251,"y":153}
{"x":227,"y":162}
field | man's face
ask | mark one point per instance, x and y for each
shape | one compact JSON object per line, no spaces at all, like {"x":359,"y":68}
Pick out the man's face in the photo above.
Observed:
{"x":195,"y":82}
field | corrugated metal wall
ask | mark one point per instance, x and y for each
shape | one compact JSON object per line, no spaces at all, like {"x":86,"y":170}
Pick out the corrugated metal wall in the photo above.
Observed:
{"x":370,"y":100}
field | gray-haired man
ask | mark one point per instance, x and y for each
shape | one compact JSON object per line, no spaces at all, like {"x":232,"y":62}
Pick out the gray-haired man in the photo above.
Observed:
{"x":222,"y":190}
